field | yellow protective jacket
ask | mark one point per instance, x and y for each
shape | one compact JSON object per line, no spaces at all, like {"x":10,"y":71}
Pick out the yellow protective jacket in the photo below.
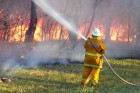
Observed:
{"x":92,"y":57}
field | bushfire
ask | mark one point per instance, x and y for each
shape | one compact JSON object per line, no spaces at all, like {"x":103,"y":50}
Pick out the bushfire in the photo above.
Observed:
{"x":117,"y":32}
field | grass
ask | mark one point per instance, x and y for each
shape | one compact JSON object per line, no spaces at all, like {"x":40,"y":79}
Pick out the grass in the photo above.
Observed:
{"x":66,"y":79}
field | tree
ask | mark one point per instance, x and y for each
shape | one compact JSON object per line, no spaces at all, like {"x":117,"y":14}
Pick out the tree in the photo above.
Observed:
{"x":29,"y":35}
{"x":95,"y":4}
{"x":108,"y":23}
{"x":107,"y":32}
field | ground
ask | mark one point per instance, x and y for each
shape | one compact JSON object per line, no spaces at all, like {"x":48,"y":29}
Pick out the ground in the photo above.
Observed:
{"x":66,"y":79}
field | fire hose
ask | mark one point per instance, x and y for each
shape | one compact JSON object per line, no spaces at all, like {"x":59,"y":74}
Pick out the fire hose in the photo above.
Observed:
{"x":129,"y":83}
{"x":117,"y":74}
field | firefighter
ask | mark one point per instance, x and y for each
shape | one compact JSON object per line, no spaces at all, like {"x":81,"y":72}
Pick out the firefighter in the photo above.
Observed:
{"x":93,"y":60}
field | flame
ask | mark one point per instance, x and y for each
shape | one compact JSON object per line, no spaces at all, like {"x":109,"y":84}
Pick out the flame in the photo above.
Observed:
{"x":82,"y":30}
{"x":58,"y":32}
{"x":19,"y":32}
{"x":38,"y":31}
{"x":118,"y":32}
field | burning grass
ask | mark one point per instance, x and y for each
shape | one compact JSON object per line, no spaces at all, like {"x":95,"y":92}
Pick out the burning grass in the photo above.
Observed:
{"x":66,"y":78}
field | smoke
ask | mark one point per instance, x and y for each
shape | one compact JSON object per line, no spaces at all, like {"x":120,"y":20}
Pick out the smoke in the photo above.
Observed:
{"x":9,"y":59}
{"x":72,"y":14}
{"x":45,"y":53}
{"x":8,"y":66}
{"x":55,"y":53}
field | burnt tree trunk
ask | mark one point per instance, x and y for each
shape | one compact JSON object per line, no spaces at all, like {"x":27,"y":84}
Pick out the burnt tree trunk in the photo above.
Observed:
{"x":96,"y":3}
{"x":5,"y":34}
{"x":107,"y":32}
{"x":29,"y":35}
{"x":138,"y":35}
{"x":73,"y":39}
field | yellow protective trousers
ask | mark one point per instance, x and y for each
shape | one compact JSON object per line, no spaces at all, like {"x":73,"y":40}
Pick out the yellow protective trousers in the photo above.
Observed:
{"x":92,"y":62}
{"x":94,"y":77}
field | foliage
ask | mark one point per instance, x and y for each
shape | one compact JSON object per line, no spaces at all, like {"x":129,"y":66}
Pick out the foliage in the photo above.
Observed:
{"x":66,"y":79}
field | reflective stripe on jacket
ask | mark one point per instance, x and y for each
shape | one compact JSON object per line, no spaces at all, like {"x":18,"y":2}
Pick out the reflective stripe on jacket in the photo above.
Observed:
{"x":91,"y":65}
{"x":90,"y":54}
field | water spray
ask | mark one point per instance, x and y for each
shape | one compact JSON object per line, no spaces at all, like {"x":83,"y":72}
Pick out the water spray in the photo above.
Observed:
{"x":50,"y":11}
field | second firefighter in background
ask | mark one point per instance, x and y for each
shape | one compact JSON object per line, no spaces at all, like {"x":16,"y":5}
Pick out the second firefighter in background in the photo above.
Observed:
{"x":93,"y":60}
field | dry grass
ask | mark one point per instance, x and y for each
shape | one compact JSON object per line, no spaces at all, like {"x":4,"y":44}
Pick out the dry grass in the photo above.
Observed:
{"x":66,"y":78}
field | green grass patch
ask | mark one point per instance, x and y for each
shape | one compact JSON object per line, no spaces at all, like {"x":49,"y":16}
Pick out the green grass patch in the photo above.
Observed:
{"x":66,"y":79}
